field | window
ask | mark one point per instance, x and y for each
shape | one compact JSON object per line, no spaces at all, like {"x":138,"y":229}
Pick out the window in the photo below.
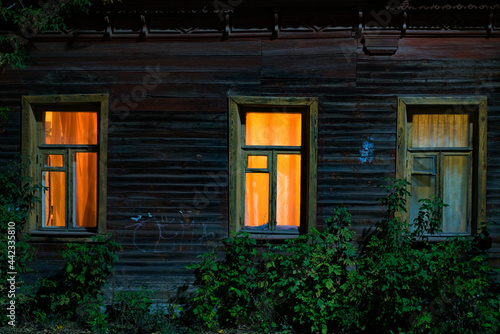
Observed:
{"x":442,"y":151}
{"x":272,"y":165}
{"x":65,"y":139}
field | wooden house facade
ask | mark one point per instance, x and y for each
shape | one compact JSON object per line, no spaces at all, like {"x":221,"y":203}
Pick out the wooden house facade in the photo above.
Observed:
{"x":167,"y":95}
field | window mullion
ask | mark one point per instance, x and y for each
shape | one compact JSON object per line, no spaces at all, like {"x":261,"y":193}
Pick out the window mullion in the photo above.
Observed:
{"x":439,"y":170}
{"x":273,"y":191}
{"x":440,"y":182}
{"x":39,"y":179}
{"x":71,"y":190}
{"x":469,"y":194}
{"x":69,"y":182}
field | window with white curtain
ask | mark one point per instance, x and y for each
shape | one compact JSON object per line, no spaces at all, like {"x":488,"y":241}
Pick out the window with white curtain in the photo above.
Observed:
{"x":442,"y":152}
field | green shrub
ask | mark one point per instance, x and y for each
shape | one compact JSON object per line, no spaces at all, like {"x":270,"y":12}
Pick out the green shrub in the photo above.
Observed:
{"x":306,"y":277}
{"x":82,"y":277}
{"x":90,"y":312}
{"x":225,"y":287}
{"x":78,"y":283}
{"x":132,"y":312}
{"x":300,"y":283}
{"x":17,"y":198}
{"x":405,"y":284}
{"x":400,"y":282}
{"x":63,"y":295}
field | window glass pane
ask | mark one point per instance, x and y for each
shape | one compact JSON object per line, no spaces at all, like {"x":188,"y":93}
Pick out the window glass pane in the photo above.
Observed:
{"x":455,"y":192}
{"x":424,"y":165}
{"x":257,"y":201}
{"x":85,"y":189}
{"x":422,"y":186}
{"x":70,"y":128}
{"x":288,"y":192}
{"x":53,"y":160}
{"x":257,"y":161}
{"x":273,"y":129}
{"x":440,"y":130}
{"x":54,"y":199}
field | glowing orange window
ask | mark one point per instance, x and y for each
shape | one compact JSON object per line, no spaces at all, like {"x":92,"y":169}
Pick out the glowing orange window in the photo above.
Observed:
{"x":69,"y":169}
{"x":257,"y":161}
{"x":273,"y":129}
{"x":70,"y":128}
{"x":273,"y":173}
{"x":288,"y":191}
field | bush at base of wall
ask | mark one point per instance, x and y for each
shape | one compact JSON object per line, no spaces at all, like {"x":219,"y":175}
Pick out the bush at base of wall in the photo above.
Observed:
{"x":399,"y":282}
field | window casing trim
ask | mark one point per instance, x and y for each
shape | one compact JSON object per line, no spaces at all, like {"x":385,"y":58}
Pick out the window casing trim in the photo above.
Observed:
{"x":236,"y":156}
{"x":479,"y":106}
{"x":31,"y":143}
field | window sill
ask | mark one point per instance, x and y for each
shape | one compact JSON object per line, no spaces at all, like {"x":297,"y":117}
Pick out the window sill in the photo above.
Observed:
{"x":272,"y":236}
{"x":434,"y":238}
{"x":61,"y":237}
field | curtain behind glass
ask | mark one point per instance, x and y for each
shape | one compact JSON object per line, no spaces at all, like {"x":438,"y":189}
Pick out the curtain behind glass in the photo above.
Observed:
{"x":75,"y":128}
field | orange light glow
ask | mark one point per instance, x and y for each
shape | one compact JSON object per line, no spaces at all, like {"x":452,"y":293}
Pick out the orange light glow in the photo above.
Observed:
{"x":54,"y":199}
{"x":273,"y":129}
{"x":257,"y":161}
{"x":71,"y":128}
{"x":53,"y":160}
{"x":288,"y":190}
{"x":257,"y":199}
{"x":86,"y":189}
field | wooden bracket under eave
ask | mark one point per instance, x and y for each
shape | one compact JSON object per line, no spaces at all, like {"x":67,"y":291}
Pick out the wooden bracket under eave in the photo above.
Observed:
{"x":375,"y":44}
{"x":227,"y":27}
{"x":108,"y":32}
{"x":144,"y":29}
{"x":276,"y":26}
{"x":489,"y":28}
{"x":359,"y":29}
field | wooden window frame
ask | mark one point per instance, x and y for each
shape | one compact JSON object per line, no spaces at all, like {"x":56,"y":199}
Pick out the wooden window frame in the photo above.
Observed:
{"x":32,"y":107}
{"x":237,"y":157}
{"x":477,"y":106}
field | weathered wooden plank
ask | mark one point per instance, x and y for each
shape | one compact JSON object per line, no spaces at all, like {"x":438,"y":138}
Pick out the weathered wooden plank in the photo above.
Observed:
{"x":81,"y":76}
{"x":166,"y":90}
{"x":149,"y":49}
{"x":178,"y":104}
{"x":301,"y":47}
{"x":162,"y":63}
{"x":312,"y":67}
{"x":446,"y":48}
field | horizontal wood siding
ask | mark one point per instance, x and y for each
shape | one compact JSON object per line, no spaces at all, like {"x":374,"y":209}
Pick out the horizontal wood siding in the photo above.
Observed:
{"x":168,"y":132}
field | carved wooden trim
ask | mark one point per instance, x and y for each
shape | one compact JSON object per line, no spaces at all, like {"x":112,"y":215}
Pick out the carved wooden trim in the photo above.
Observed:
{"x":108,"y":32}
{"x":489,"y":29}
{"x":287,"y":24}
{"x":144,"y":29}
{"x":359,"y":32}
{"x":405,"y":26}
{"x":406,"y":6}
{"x":276,"y":27}
{"x":227,"y":27}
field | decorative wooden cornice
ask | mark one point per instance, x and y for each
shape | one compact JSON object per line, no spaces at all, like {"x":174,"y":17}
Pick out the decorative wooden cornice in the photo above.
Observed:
{"x":379,"y":30}
{"x":406,"y":6}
